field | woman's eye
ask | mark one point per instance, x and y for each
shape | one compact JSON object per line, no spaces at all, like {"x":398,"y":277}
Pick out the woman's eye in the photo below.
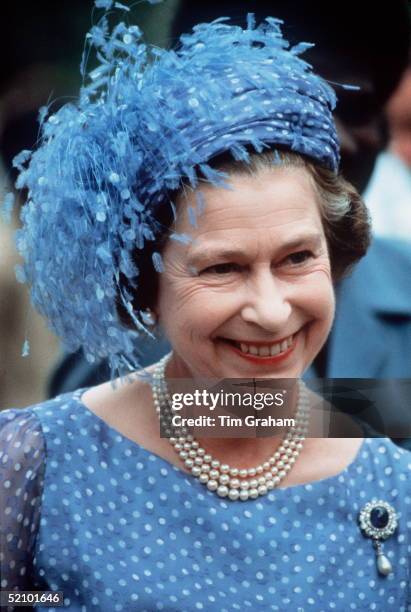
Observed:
{"x":223,"y":268}
{"x":299,"y":257}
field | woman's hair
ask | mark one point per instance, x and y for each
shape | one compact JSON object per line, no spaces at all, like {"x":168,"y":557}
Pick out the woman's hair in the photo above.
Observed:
{"x":345,"y":220}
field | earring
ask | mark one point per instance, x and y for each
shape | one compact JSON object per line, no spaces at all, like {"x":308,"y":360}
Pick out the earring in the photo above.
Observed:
{"x":149,"y":317}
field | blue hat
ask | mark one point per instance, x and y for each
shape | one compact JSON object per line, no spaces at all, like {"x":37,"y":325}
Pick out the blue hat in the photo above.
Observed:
{"x":147,"y":119}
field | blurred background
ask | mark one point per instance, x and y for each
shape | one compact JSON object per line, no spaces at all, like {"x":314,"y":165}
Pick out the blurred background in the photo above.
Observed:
{"x":41,"y":47}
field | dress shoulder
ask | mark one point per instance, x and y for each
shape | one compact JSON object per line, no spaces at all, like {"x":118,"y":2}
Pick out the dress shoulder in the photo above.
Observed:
{"x":22,"y":467}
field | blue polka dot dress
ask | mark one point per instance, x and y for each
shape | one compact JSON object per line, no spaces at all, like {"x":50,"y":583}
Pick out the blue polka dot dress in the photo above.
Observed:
{"x":86,"y":511}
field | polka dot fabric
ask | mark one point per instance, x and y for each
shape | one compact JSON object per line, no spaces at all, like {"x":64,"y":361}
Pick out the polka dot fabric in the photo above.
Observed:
{"x":87,"y":511}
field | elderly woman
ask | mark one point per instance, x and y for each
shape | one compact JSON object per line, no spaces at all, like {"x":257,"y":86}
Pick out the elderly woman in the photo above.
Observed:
{"x":194,"y":191}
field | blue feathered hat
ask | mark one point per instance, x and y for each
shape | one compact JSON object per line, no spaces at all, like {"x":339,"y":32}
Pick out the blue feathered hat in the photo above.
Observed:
{"x":146,"y":119}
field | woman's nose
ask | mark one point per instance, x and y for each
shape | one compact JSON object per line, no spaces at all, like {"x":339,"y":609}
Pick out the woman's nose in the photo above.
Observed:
{"x":267,"y":303}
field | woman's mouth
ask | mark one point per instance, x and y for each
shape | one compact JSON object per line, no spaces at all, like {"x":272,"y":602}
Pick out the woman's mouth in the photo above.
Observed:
{"x":262,"y":352}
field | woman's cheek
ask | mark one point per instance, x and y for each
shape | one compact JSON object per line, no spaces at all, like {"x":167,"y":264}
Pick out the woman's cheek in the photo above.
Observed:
{"x":189,"y":299}
{"x":317,"y":292}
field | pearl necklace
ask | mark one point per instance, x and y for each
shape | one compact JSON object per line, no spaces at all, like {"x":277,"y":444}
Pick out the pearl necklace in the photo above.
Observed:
{"x":227,"y":481}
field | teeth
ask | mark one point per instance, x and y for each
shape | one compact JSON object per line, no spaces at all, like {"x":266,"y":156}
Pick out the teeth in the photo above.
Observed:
{"x":275,"y":349}
{"x":284,"y":346}
{"x":265,"y":351}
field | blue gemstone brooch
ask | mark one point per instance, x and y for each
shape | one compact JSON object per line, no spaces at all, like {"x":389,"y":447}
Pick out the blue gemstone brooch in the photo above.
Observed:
{"x":378,"y":521}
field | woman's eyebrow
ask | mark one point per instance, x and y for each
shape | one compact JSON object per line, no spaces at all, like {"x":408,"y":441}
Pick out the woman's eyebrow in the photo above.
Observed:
{"x":209,"y":253}
{"x":312,"y":239}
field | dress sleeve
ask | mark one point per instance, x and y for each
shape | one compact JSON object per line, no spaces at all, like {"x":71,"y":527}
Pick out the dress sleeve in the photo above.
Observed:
{"x":22,"y":464}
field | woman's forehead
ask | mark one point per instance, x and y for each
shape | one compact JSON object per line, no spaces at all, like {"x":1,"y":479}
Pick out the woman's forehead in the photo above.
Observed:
{"x":263,"y":214}
{"x":274,"y":197}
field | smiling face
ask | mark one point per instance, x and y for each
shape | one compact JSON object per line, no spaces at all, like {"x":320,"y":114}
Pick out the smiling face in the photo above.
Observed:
{"x":252,"y":294}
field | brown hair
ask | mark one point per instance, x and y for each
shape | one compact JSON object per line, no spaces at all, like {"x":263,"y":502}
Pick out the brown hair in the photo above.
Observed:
{"x":345,"y":219}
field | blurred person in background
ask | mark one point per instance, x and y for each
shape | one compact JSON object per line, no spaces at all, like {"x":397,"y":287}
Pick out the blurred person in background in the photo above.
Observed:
{"x":388,"y":195}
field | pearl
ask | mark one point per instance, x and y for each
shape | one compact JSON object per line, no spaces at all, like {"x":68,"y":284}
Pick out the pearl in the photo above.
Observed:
{"x":243,"y":495}
{"x":212,"y":485}
{"x":222,"y":491}
{"x":224,"y":468}
{"x":243,"y":473}
{"x":234,"y":494}
{"x":214,"y":474}
{"x":215,"y":463}
{"x":196,"y":471}
{"x":224,"y":479}
{"x":383,"y":564}
{"x":253,"y":493}
{"x":251,"y":471}
{"x":235,"y":483}
{"x":203,"y":478}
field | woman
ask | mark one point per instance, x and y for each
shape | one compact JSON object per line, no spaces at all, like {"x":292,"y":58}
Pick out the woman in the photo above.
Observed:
{"x":162,"y":164}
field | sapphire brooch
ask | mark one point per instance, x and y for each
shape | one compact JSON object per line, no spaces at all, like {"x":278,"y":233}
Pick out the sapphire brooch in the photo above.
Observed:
{"x":378,"y":521}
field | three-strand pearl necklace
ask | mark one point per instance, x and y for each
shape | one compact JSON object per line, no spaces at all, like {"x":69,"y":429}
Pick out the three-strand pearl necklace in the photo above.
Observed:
{"x":227,"y":481}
